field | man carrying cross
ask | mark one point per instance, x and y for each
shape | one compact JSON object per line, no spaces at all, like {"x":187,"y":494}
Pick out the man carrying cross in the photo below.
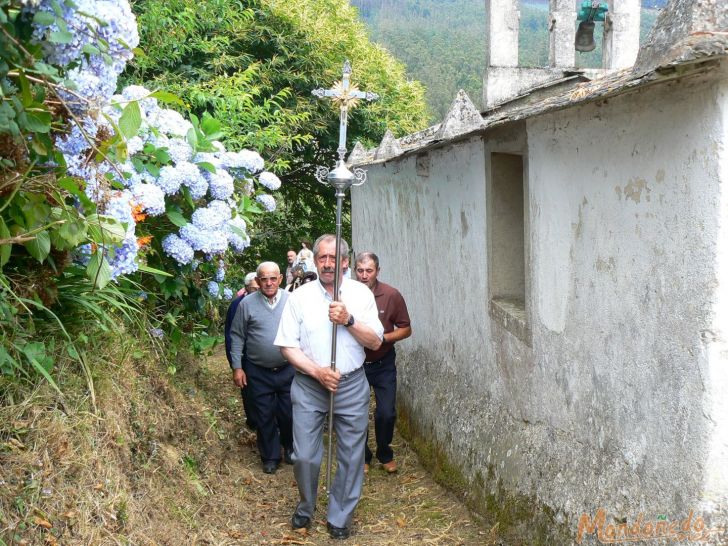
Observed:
{"x":305,"y":337}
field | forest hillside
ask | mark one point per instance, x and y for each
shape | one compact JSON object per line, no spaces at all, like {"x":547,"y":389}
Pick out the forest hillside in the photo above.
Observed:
{"x":442,"y":42}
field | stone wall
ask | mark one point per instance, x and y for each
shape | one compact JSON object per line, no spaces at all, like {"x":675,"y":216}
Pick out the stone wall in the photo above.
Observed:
{"x":606,"y":389}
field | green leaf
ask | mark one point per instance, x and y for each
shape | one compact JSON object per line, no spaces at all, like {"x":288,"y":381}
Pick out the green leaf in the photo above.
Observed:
{"x":72,"y":233}
{"x":131,"y":119}
{"x":210,"y":125}
{"x":8,"y":364}
{"x":99,"y":270}
{"x":40,"y":247}
{"x":209,"y":167}
{"x":90,"y":49}
{"x":153,"y":271}
{"x":162,"y":155}
{"x":5,"y":249}
{"x":44,"y":18}
{"x":61,"y":37}
{"x":192,"y":137}
{"x":36,"y":121}
{"x":176,"y":218}
{"x":39,"y":145}
{"x":169,"y":98}
{"x":105,"y":229}
{"x":72,"y":352}
{"x":70,"y":185}
{"x":25,"y":92}
{"x":34,"y":350}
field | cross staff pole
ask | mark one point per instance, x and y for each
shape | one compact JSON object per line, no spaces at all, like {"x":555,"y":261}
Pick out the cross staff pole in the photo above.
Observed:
{"x":345,"y":96}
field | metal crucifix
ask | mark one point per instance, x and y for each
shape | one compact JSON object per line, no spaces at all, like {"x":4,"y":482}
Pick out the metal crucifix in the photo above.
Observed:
{"x":346,"y":96}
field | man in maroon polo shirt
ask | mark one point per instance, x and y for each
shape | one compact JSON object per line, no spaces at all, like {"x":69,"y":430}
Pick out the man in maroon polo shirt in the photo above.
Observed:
{"x":380,"y":367}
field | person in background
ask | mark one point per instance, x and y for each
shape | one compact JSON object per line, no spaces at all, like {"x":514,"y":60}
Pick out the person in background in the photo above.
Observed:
{"x":291,"y":257}
{"x":380,"y":367}
{"x":305,"y":336}
{"x":251,"y":286}
{"x":259,"y":365}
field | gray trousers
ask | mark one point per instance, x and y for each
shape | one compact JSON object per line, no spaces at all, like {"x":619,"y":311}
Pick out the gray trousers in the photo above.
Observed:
{"x":351,"y":415}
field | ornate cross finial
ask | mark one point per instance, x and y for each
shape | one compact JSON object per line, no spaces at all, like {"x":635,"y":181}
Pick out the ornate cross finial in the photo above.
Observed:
{"x":345,"y":96}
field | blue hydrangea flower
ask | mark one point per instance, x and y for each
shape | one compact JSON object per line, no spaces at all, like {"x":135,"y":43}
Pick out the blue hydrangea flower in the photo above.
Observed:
{"x":119,"y":207}
{"x":208,"y":157}
{"x":227,"y":294}
{"x":134,"y":145}
{"x":123,"y":261}
{"x":170,"y":179}
{"x":246,"y":160}
{"x":179,"y":150}
{"x":156,"y":332}
{"x":213,"y":216}
{"x":213,"y":289}
{"x":269,"y":180}
{"x":150,"y":197}
{"x":197,"y":185}
{"x":267,"y":201}
{"x":82,"y":254}
{"x":220,"y":274}
{"x":237,"y":236}
{"x":221,"y":184}
{"x":148,"y":105}
{"x":179,"y":250}
{"x":170,"y":122}
{"x":75,"y":143}
{"x":208,"y":241}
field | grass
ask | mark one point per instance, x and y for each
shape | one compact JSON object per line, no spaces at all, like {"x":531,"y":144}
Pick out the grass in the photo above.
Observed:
{"x":168,"y":461}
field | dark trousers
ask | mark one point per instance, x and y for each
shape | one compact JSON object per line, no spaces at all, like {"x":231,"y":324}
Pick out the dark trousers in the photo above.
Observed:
{"x":270,"y":390}
{"x":248,"y":407}
{"x":382,"y":377}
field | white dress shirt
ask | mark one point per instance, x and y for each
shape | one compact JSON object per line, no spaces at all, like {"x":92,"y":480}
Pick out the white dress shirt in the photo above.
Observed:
{"x":305,"y":323}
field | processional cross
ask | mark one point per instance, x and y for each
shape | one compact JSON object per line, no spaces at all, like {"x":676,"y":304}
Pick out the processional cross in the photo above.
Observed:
{"x":346,"y":96}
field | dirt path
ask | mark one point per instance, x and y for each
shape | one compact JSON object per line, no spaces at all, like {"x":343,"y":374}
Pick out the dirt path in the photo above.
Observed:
{"x":242,"y":505}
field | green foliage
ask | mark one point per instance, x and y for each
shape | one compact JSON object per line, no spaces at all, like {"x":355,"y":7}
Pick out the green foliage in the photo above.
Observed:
{"x":254,"y":65}
{"x":39,"y":220}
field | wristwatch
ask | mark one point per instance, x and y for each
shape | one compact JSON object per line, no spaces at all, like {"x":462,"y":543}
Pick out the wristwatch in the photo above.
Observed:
{"x":350,"y":322}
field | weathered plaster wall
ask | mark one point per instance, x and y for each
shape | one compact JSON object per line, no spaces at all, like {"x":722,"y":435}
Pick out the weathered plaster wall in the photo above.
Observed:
{"x":617,"y":398}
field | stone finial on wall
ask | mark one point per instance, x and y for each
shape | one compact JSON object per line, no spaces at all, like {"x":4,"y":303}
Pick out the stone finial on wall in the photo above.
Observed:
{"x":462,"y":117}
{"x":389,"y":147}
{"x":681,"y":23}
{"x":357,"y":155}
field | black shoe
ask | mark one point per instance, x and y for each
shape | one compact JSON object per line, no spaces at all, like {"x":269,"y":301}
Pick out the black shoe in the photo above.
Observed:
{"x":251,"y":425}
{"x":288,"y":456}
{"x":270,"y":467}
{"x":339,"y":533}
{"x":300,"y":522}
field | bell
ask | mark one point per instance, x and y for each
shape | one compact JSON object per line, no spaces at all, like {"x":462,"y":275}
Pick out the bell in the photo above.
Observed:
{"x":585,"y":37}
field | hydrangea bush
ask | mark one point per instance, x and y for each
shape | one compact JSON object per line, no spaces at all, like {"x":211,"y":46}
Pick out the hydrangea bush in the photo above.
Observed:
{"x":156,"y":163}
{"x":137,"y":186}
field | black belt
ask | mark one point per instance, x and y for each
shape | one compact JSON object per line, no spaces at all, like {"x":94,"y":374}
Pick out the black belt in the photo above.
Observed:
{"x":385,"y":357}
{"x":274,"y":370}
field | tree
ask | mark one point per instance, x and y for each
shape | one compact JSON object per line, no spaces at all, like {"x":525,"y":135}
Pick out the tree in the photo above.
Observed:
{"x":253,"y":63}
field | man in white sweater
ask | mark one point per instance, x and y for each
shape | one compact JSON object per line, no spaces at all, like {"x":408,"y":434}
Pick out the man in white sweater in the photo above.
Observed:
{"x":259,"y":364}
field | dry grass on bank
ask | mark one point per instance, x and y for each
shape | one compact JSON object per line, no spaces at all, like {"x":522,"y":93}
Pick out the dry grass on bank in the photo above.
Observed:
{"x":166,"y":461}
